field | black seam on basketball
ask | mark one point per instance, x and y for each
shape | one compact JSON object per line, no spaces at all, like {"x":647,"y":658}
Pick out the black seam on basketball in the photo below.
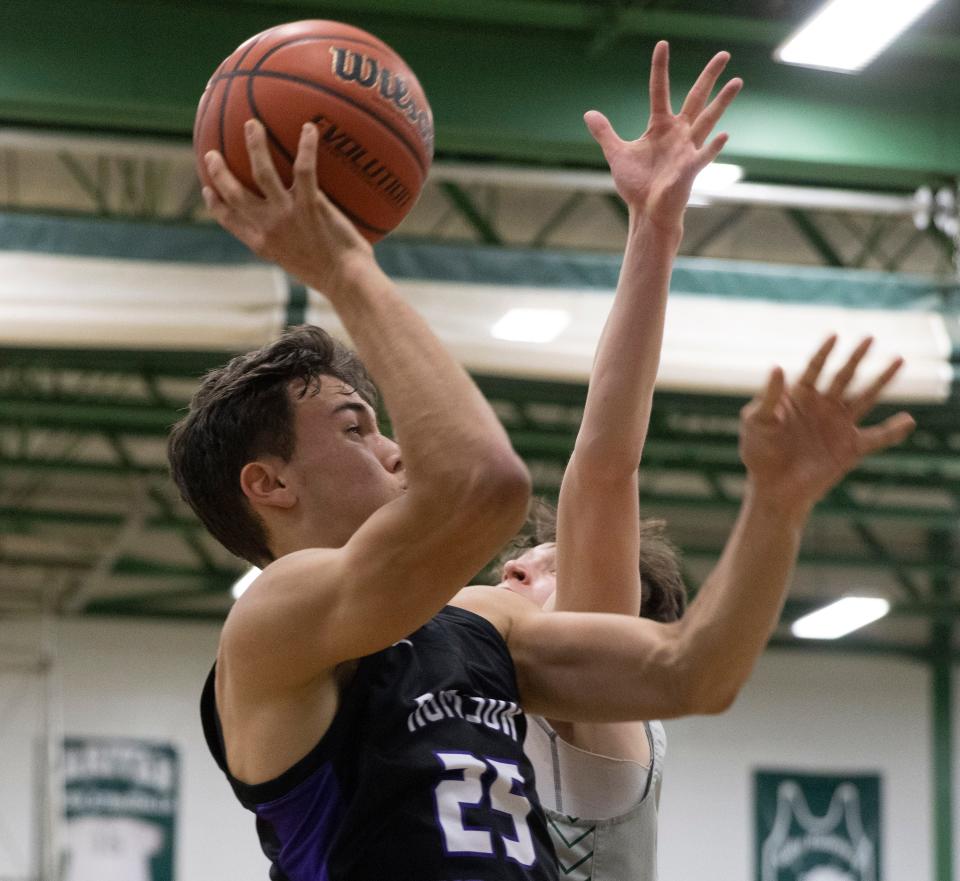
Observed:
{"x":270,"y":135}
{"x":313,"y":37}
{"x":226,"y":97}
{"x":205,"y":100}
{"x":278,"y":75}
{"x":359,"y":221}
{"x":223,"y":118}
{"x":248,"y":50}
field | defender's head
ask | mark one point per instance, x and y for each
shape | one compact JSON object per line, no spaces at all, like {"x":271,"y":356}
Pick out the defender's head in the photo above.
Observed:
{"x":530,"y":565}
{"x":280,"y":449}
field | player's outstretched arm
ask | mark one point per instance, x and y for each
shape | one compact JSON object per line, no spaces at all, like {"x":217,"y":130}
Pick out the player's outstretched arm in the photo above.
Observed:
{"x":466,"y":490}
{"x":796,"y":443}
{"x":598,"y":516}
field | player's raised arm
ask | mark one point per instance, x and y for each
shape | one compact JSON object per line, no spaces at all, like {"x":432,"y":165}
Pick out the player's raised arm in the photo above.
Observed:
{"x":461,"y":490}
{"x":796,"y":443}
{"x":598,"y":515}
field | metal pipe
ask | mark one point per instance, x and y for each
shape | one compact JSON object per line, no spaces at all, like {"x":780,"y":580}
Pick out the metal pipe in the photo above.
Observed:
{"x":740,"y":193}
{"x":519,"y":176}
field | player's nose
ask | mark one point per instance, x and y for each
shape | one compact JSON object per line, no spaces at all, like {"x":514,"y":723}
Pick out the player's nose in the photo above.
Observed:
{"x":513,"y":570}
{"x":390,"y":456}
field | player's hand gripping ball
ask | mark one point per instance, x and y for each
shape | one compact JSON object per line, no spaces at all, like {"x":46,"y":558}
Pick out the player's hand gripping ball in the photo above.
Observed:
{"x":374,"y":122}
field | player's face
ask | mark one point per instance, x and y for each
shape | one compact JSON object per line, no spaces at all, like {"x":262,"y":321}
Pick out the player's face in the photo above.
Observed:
{"x":344,"y":467}
{"x":533,"y":574}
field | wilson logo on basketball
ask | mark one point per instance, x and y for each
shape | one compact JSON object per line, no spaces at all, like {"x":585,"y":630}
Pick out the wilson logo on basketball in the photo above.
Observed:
{"x":376,"y":173}
{"x":354,"y":67}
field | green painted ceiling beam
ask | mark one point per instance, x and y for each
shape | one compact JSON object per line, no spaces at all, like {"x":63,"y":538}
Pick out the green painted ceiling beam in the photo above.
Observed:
{"x":87,"y":518}
{"x":106,"y":609}
{"x":509,"y":83}
{"x":153,"y":362}
{"x":588,"y":17}
{"x":80,"y":466}
{"x":851,"y":646}
{"x":933,"y":517}
{"x":832,"y":559}
{"x":538,"y":447}
{"x":135,"y":566}
{"x":130,"y":418}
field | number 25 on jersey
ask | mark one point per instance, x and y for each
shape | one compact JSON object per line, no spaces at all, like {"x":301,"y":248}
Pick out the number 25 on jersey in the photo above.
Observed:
{"x":505,"y":796}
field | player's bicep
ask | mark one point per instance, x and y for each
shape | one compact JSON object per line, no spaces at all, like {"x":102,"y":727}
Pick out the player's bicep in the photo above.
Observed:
{"x":598,"y":667}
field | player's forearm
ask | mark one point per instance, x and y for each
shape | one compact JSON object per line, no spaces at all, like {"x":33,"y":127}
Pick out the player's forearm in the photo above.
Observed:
{"x":598,"y":539}
{"x":617,"y":411}
{"x":736,"y":610}
{"x":444,"y":425}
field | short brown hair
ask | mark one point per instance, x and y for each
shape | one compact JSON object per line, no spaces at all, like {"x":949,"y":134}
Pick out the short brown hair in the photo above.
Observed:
{"x":663,"y":595}
{"x":242,"y":411}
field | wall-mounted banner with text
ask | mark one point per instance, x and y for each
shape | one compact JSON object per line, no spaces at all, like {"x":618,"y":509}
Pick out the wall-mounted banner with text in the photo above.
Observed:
{"x":121,"y":809}
{"x":817,"y":827}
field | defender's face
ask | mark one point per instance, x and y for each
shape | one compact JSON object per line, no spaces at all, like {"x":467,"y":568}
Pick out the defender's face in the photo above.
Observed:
{"x":533,"y":574}
{"x":344,"y":467}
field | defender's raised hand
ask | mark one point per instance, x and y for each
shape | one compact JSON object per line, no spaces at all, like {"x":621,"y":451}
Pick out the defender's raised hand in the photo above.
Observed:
{"x":797,"y":442}
{"x":298,"y":228}
{"x":654,"y":174}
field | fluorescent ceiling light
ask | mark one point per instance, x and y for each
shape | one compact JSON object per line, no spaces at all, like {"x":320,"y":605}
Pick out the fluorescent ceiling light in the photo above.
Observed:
{"x":716,"y":176}
{"x":846,"y":35}
{"x":531,"y":325}
{"x":242,"y":583}
{"x":840,"y":618}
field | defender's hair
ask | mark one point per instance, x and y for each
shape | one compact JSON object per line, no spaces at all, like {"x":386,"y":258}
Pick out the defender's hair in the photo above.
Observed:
{"x":663,"y":595}
{"x":242,"y":411}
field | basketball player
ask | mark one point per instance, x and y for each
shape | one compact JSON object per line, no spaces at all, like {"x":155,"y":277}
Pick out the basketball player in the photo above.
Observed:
{"x":599,"y":783}
{"x":375,"y":731}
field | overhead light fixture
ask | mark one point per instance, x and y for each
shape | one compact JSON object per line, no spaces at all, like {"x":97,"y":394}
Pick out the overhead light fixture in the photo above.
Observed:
{"x":242,"y":583}
{"x":531,"y":325}
{"x":716,"y":176}
{"x":846,"y":35}
{"x":840,"y":618}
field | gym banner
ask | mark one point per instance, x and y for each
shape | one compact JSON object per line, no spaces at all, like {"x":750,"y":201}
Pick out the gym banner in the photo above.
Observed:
{"x":817,"y":827}
{"x":120,"y":805}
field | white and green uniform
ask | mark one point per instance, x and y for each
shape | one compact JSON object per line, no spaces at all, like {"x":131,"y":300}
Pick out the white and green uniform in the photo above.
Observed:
{"x":602,"y":812}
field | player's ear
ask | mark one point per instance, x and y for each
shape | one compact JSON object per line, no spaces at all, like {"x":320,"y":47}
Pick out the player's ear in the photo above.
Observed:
{"x":263,"y":483}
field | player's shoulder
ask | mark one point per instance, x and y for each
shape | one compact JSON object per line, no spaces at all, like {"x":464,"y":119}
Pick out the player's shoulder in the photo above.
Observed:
{"x":501,"y":607}
{"x":289,"y":587}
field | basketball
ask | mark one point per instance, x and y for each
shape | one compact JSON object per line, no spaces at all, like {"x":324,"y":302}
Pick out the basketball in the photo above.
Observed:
{"x":375,"y":125}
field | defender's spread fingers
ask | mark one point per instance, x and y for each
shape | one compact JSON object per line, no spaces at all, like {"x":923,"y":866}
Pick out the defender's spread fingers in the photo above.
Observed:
{"x":698,"y":96}
{"x":864,"y":402}
{"x":888,"y":433}
{"x":660,"y":80}
{"x":705,"y":122}
{"x":846,"y":373}
{"x":711,"y":151}
{"x":601,"y":130}
{"x":815,"y":365}
{"x":767,"y":402}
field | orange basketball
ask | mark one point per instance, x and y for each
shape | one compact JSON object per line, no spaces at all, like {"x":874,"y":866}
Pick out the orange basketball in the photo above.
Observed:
{"x":374,"y":122}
